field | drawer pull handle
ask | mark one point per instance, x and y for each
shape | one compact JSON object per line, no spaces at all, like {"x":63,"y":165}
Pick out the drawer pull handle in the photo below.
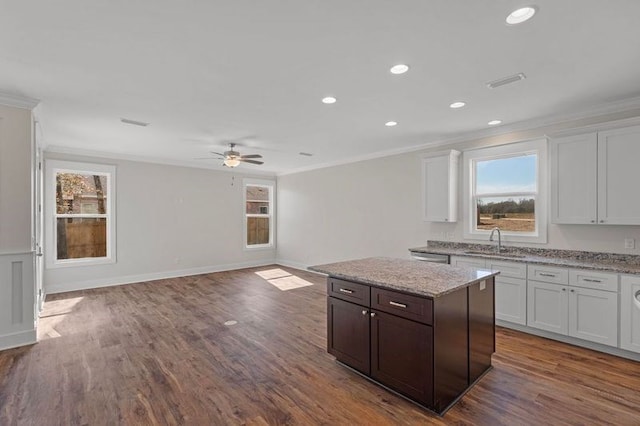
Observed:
{"x":344,"y":290}
{"x":542,"y":274}
{"x":399,"y":305}
{"x":636,"y":299}
{"x":373,"y":314}
{"x":364,"y":312}
{"x":590,"y":280}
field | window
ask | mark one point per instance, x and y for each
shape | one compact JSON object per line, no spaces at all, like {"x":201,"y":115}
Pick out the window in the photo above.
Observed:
{"x":505,"y":188}
{"x":258,"y":213}
{"x":80,"y":205}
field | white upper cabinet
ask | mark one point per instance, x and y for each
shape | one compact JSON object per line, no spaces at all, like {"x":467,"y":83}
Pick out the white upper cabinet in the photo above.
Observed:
{"x":618,"y":154}
{"x":439,"y":186}
{"x":593,"y":178}
{"x":574,"y":179}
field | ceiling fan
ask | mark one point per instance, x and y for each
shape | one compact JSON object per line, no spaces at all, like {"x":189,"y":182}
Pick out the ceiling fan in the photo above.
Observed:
{"x":232,"y":158}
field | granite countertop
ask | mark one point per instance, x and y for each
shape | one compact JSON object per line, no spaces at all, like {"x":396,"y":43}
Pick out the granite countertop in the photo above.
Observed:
{"x":420,"y":278}
{"x":606,"y":262}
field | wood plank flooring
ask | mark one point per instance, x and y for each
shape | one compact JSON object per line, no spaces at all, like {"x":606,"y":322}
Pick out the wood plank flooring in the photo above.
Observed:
{"x":159,"y":353}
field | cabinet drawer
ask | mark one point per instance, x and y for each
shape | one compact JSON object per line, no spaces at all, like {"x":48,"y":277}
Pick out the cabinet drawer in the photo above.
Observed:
{"x":349,"y":291}
{"x":594,"y":280}
{"x":403,"y":305}
{"x":473,"y":262}
{"x":508,"y":269}
{"x":548,"y":274}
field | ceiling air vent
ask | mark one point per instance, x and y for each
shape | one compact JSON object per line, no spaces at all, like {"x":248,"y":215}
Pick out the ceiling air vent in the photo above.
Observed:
{"x":306,"y":154}
{"x":506,"y":80}
{"x":134,"y":122}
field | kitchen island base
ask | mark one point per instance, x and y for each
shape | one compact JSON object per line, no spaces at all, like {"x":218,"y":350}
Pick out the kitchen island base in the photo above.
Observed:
{"x":430,"y":350}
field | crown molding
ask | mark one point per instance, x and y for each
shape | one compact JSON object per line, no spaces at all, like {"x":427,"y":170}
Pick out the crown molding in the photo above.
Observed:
{"x":527,"y":125}
{"x":57,"y":149}
{"x":18,"y":101}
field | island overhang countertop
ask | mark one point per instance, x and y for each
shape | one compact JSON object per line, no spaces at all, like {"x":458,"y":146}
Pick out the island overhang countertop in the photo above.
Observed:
{"x":410,"y":276}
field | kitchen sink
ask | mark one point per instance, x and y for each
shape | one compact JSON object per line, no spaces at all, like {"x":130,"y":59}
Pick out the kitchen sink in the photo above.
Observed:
{"x":493,"y":253}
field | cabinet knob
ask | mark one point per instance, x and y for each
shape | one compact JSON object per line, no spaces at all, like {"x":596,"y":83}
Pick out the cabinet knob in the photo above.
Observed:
{"x":364,"y":312}
{"x":564,"y":289}
{"x":601,"y":220}
{"x":373,"y":314}
{"x":573,"y":291}
{"x":593,"y":221}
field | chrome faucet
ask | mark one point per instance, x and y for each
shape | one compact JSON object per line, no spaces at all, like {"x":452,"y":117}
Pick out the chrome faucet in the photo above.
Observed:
{"x":499,"y":247}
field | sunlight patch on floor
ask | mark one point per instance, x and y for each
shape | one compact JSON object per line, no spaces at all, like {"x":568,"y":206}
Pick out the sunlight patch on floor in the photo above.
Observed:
{"x":53,"y":314}
{"x":282,"y":279}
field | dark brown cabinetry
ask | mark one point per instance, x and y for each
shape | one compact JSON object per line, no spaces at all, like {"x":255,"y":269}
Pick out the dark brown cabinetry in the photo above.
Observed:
{"x":430,"y":350}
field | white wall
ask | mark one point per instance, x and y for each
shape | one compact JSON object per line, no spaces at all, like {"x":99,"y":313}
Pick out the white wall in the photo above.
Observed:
{"x":17,"y":289}
{"x":372,"y":208}
{"x":171,"y":221}
{"x":15,"y":180}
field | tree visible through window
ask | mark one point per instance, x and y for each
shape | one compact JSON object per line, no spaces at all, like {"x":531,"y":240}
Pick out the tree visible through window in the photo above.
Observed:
{"x":81,"y":215}
{"x":258,"y":210}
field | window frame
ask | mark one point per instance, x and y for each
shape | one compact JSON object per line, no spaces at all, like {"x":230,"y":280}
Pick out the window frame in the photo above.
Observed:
{"x":471,"y":157}
{"x":271,"y":184}
{"x":53,"y":167}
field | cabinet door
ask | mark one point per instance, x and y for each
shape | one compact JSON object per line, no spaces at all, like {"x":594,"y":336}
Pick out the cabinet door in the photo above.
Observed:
{"x":348,"y":333}
{"x":402,"y":356}
{"x":547,"y":307}
{"x":593,"y":315}
{"x":618,"y":153}
{"x":439,"y":183}
{"x":630,"y":314}
{"x":511,"y":299}
{"x":574,"y":179}
{"x":474,"y":262}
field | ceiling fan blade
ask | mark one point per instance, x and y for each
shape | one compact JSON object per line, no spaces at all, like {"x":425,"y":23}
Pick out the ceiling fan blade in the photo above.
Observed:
{"x":251,"y":156}
{"x":251,"y":161}
{"x":217,"y":153}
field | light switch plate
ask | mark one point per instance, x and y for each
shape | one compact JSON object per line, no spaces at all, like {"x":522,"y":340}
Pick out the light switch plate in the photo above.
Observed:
{"x":629,"y":243}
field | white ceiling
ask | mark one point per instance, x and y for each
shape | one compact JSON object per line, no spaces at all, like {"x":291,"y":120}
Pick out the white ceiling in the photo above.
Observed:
{"x":202,"y":72}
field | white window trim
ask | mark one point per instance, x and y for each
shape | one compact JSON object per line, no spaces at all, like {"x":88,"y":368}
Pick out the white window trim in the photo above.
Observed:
{"x":52,"y":168}
{"x":538,"y":146}
{"x":271,"y":184}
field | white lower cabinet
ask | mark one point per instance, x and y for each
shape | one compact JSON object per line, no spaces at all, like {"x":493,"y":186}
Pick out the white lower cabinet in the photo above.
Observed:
{"x":547,"y":307}
{"x":593,"y":315}
{"x":630,"y":313}
{"x":511,"y":299}
{"x":510,"y":286}
{"x":564,"y":306}
{"x":579,"y":303}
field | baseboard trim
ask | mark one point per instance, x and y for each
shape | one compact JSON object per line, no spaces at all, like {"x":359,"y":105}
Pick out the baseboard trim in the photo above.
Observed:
{"x":132,"y":279}
{"x":571,"y":340}
{"x":21,"y":338}
{"x":296,"y":265}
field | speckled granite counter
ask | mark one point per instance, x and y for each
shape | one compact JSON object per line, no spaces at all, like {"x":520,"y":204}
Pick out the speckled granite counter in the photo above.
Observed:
{"x":421,"y":278}
{"x":609,"y":262}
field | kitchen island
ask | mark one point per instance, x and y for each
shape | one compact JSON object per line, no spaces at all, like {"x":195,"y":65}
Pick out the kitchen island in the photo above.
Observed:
{"x":425,"y":331}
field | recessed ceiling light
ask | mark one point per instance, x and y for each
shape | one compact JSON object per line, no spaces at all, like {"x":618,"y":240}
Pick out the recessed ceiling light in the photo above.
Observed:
{"x":457,"y":104}
{"x":399,"y":69}
{"x":494,"y":122}
{"x":521,"y":15}
{"x":329,"y":100}
{"x":391,"y":123}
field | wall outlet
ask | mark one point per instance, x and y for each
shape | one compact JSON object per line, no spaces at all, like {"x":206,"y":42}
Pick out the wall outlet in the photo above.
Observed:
{"x":629,"y":243}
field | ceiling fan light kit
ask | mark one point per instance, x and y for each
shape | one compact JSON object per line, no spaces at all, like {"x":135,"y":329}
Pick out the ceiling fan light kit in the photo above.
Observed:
{"x":232,"y":158}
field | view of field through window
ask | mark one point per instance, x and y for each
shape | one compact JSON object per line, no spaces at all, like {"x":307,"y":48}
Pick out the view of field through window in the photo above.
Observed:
{"x":505,"y":195}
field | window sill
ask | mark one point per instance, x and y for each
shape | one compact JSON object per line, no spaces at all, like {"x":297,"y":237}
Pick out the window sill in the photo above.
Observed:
{"x":260,"y":247}
{"x":75,"y":263}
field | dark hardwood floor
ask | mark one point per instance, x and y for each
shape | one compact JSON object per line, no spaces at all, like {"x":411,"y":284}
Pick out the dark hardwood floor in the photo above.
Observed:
{"x":160,"y":353}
